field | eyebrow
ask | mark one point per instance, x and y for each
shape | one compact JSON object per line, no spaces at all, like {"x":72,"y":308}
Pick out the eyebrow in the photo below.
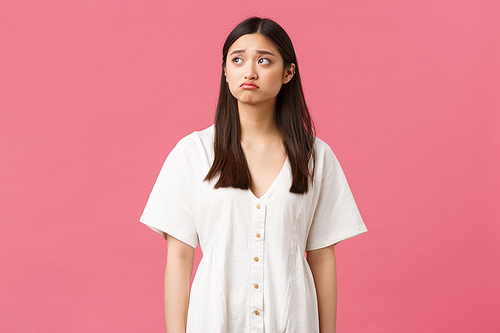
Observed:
{"x":258,"y":51}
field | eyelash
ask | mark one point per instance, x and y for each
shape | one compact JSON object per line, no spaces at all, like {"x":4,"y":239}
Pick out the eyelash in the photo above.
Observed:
{"x":259,"y":61}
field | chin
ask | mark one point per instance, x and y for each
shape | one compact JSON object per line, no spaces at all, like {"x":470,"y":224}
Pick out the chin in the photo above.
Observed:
{"x":247,"y":100}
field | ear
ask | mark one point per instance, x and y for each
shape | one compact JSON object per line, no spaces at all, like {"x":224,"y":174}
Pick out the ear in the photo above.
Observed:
{"x":289,"y":73}
{"x":225,"y":73}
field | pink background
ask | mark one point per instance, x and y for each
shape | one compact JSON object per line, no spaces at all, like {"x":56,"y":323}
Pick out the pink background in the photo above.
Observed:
{"x":94,"y":94}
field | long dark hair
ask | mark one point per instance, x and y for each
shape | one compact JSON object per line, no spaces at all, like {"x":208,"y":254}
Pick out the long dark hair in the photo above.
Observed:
{"x":292,"y":117}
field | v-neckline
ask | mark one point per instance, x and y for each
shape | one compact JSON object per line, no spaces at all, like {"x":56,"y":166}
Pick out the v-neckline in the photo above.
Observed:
{"x":270,"y":189}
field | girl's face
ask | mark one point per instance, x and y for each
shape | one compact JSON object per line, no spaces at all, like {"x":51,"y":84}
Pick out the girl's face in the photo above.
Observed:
{"x":254,"y":70}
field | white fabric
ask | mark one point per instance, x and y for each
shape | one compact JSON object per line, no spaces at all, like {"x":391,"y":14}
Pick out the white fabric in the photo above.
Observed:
{"x":230,"y":285}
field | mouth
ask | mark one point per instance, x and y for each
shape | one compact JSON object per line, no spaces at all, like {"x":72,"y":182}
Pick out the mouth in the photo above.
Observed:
{"x":249,"y":85}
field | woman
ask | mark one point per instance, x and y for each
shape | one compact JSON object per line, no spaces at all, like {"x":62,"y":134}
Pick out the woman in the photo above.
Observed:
{"x":255,"y":190}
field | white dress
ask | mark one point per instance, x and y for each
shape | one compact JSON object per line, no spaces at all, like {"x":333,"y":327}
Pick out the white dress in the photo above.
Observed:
{"x":253,"y":276}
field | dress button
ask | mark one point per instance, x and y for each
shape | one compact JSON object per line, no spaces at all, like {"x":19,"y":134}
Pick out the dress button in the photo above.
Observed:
{"x":256,"y":258}
{"x":258,"y":206}
{"x":258,"y":235}
{"x":256,"y":286}
{"x":256,"y":312}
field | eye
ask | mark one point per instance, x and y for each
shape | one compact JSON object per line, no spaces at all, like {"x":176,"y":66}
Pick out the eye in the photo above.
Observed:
{"x":264,"y":61}
{"x":237,"y":60}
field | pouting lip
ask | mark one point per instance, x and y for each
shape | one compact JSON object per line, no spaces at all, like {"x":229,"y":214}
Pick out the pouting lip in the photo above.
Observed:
{"x":249,"y":84}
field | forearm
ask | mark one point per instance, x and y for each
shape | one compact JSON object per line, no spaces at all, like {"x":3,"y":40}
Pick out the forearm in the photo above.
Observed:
{"x":323,"y":267}
{"x":177,"y":288}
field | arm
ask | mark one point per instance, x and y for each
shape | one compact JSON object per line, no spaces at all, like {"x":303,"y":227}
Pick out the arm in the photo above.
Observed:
{"x":324,"y":270}
{"x":180,"y":257}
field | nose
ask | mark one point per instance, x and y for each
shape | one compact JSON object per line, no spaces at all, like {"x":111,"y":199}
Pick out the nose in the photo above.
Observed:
{"x":250,"y":72}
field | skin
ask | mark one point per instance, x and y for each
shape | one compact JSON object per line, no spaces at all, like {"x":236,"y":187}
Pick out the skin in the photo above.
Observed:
{"x":253,"y":59}
{"x":180,"y":258}
{"x":324,"y":269}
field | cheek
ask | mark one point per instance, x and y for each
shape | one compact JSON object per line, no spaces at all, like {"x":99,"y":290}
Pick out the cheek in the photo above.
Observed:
{"x":232,"y":78}
{"x":275,"y":81}
{"x":232,"y":83}
{"x":229,"y":80}
{"x":275,"y":77}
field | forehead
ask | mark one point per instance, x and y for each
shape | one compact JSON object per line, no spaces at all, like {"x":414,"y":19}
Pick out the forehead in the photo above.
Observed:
{"x":251,"y":43}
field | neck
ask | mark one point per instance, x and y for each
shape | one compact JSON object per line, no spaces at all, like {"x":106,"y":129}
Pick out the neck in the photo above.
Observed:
{"x":258,"y":121}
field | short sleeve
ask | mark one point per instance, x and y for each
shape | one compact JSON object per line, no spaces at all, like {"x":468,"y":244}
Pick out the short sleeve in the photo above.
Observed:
{"x":169,"y":208}
{"x":336,"y":216}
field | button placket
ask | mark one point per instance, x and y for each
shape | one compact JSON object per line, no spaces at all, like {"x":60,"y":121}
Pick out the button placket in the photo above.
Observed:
{"x":257,"y":267}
